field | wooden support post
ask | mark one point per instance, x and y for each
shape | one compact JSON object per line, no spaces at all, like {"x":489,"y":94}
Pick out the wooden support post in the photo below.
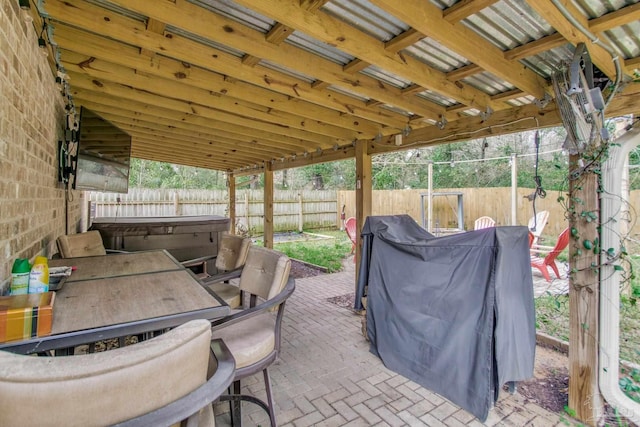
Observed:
{"x":364,"y":185}
{"x":268,"y":206}
{"x":300,"y":213}
{"x":176,"y":203}
{"x":514,"y":189}
{"x":430,"y":198}
{"x":584,"y":394}
{"x":231,"y":185}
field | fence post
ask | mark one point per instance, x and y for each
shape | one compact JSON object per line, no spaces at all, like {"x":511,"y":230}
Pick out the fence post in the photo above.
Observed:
{"x":176,"y":203}
{"x":246,"y":209}
{"x":300,"y":213}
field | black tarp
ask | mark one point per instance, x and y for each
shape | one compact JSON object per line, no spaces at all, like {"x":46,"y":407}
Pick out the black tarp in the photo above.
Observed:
{"x":454,"y":314}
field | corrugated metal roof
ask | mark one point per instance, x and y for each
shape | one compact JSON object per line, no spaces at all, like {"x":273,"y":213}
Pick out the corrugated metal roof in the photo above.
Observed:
{"x":437,"y":98}
{"x":366,"y":17}
{"x":237,"y":12}
{"x":437,"y":56}
{"x":386,"y":77}
{"x":508,"y":24}
{"x":319,"y":48}
{"x":204,"y":41}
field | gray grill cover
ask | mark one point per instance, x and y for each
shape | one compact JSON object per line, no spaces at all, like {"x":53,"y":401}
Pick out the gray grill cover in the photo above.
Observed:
{"x":454,"y":314}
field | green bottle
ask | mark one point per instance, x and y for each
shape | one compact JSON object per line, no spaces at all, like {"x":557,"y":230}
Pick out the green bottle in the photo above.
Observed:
{"x":20,"y":276}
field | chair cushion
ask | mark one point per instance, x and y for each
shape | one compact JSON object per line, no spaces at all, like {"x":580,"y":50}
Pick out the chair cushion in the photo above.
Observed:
{"x":104,"y":388}
{"x":81,"y":244}
{"x":228,"y":292}
{"x":265,"y":273}
{"x":249,"y":340}
{"x":232,"y":253}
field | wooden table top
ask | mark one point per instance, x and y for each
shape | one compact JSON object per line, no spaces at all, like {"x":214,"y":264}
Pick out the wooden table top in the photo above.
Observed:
{"x":114,"y":265}
{"x":122,"y":294}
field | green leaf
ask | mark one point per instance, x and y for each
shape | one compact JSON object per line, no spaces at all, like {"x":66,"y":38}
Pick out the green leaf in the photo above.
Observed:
{"x":587,"y":244}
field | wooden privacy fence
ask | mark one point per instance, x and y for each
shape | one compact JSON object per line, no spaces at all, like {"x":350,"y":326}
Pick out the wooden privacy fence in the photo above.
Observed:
{"x":311,"y":209}
{"x":292,"y":210}
{"x":477,"y":202}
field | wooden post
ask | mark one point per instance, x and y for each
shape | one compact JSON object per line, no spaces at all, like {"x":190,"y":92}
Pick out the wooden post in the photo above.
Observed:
{"x":268,"y":206}
{"x":363,"y":194}
{"x":176,"y":203}
{"x":514,"y":189}
{"x":430,"y":197}
{"x":246,"y":209}
{"x":584,"y":394}
{"x":231,"y":186}
{"x":300,"y":213}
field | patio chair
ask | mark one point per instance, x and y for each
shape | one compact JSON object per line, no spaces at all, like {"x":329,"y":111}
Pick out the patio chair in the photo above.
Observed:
{"x":253,"y":334}
{"x":550,"y":256}
{"x":230,"y":260}
{"x":484,"y":222}
{"x":350,"y":228}
{"x":159,"y":382}
{"x":536,"y":225}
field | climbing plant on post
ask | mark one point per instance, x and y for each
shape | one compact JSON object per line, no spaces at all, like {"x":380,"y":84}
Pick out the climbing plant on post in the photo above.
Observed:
{"x":585,"y":402}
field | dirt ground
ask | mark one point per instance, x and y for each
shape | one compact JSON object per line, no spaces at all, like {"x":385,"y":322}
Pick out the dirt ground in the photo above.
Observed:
{"x":549,"y":386}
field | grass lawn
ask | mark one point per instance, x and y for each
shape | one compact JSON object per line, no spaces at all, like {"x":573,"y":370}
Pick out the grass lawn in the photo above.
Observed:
{"x":327,"y":253}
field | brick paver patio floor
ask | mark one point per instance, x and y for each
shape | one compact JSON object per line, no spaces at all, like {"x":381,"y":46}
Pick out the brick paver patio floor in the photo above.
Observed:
{"x":327,"y":377}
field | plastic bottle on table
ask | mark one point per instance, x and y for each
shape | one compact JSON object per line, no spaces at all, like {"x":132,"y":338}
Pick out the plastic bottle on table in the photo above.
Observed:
{"x":39,"y":276}
{"x":20,"y":276}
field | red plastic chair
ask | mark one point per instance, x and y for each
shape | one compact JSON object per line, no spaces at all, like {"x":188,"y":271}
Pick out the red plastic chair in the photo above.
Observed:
{"x":550,"y":258}
{"x":350,"y":228}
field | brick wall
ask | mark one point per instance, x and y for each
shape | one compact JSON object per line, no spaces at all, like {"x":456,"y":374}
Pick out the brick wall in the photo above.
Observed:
{"x":34,"y":207}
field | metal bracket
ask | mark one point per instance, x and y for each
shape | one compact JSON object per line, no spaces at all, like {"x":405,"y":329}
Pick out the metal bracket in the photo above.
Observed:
{"x":541,"y":103}
{"x":485,"y":115}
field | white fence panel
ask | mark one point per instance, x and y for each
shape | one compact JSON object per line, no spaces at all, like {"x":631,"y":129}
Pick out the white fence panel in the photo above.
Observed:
{"x":292,"y":209}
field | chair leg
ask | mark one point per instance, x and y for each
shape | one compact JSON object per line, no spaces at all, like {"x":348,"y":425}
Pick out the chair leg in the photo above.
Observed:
{"x":267,"y":386}
{"x":235,"y":406}
{"x":554,"y":267}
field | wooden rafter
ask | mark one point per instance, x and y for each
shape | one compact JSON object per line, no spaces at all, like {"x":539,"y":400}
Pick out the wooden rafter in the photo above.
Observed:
{"x":427,"y":19}
{"x":347,"y":38}
{"x":600,"y":57}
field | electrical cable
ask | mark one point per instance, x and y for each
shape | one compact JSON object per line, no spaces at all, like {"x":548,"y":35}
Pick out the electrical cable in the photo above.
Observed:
{"x":539,"y":191}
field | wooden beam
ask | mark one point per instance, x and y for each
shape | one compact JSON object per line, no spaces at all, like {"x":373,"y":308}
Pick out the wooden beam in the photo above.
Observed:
{"x":349,"y":39}
{"x":623,"y":16}
{"x":268,"y":206}
{"x":537,"y":46}
{"x":255,"y":129}
{"x":463,"y":72}
{"x":177,"y":121}
{"x":426,"y":18}
{"x":547,"y":10}
{"x":209,"y":25}
{"x":250,"y":60}
{"x":231,"y":189}
{"x":403,"y":40}
{"x":278,"y":33}
{"x":364,"y":191}
{"x":584,"y":391}
{"x":98,"y":48}
{"x":172,"y":92}
{"x":355,"y":66}
{"x":465,"y":8}
{"x":175,"y":89}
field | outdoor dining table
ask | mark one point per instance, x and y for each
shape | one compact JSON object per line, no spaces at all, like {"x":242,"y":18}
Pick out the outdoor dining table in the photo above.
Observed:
{"x":116,"y":295}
